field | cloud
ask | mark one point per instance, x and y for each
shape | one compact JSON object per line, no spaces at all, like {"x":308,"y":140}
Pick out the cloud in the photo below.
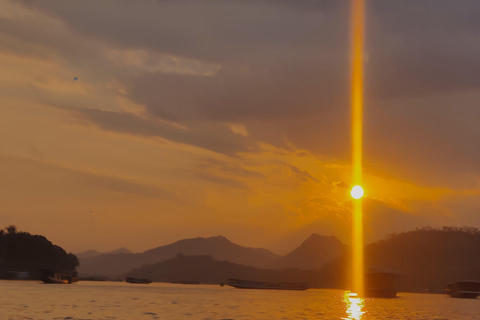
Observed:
{"x":339,"y":185}
{"x":215,"y":31}
{"x":280,"y":69}
{"x":268,"y":84}
{"x":53,"y":176}
{"x":302,"y":174}
{"x":414,"y":47}
{"x":214,"y":137}
{"x":229,"y":168}
{"x":223,"y":181}
{"x":428,"y":140}
{"x":422,"y":47}
{"x":268,"y":65}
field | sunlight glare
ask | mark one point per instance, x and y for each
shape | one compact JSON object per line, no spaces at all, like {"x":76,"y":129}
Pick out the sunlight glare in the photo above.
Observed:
{"x":357,"y":31}
{"x":357,"y":192}
{"x":354,"y":306}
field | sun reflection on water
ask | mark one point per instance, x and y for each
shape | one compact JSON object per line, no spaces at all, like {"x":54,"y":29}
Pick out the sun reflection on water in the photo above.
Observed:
{"x":354,"y":306}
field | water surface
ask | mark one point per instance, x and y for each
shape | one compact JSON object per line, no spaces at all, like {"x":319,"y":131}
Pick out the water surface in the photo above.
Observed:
{"x":120,"y":300}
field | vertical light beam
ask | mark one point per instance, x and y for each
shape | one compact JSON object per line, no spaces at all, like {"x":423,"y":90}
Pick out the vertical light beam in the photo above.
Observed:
{"x":357,"y":42}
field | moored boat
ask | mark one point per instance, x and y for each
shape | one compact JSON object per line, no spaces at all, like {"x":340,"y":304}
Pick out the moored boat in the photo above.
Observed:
{"x":138,"y":280}
{"x":49,"y":276}
{"x":463,"y":289}
{"x":380,"y":284}
{"x":244,"y":284}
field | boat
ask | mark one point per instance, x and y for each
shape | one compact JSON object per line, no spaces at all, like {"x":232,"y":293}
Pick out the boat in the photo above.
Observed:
{"x":138,"y":280}
{"x":49,"y":276}
{"x":244,"y":284}
{"x":94,"y":278}
{"x":463,"y":289}
{"x":381,"y":284}
{"x":186,"y":282}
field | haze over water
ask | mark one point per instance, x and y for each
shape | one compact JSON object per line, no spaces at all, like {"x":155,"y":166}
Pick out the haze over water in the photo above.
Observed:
{"x":123,"y":301}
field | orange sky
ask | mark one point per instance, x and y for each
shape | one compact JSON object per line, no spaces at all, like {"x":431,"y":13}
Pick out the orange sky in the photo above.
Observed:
{"x":200,"y":118}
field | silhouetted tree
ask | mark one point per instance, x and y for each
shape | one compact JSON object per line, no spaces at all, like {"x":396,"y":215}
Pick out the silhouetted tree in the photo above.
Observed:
{"x":21,"y":251}
{"x":11,"y":229}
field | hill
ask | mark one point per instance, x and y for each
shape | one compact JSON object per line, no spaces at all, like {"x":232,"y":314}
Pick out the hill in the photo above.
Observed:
{"x":218,"y":247}
{"x":205,"y":269}
{"x":93,"y":253}
{"x":428,"y":259}
{"x":313,"y":253}
{"x":23,"y":252}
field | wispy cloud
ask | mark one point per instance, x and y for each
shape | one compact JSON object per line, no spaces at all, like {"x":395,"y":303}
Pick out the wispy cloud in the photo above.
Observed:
{"x":228,"y":167}
{"x":68,"y":177}
{"x":223,"y":181}
{"x":303,"y":174}
{"x":217,"y":138}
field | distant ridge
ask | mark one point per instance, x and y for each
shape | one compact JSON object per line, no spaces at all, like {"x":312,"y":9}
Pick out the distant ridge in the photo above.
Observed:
{"x":313,"y":253}
{"x":206,"y":269}
{"x":94,"y":253}
{"x":218,"y":247}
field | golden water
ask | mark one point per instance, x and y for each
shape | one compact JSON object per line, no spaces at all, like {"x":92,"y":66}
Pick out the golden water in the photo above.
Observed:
{"x":123,"y":301}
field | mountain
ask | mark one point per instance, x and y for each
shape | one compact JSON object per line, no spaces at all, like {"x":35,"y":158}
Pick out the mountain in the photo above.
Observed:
{"x":93,"y":253}
{"x":205,"y":269}
{"x":425,"y":259}
{"x":428,"y":259}
{"x":312,"y":253}
{"x":218,"y":247}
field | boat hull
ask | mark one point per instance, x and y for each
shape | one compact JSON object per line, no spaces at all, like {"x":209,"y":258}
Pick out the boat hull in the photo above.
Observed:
{"x":243,"y":284}
{"x":138,"y":281}
{"x":463,"y":289}
{"x":465,"y":295}
{"x":53,"y":280}
{"x":381,"y":293}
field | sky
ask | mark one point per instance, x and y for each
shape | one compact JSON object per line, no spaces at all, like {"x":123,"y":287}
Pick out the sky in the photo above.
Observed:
{"x":197,"y":118}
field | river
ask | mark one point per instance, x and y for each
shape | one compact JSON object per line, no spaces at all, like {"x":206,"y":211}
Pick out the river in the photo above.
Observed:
{"x":120,"y":300}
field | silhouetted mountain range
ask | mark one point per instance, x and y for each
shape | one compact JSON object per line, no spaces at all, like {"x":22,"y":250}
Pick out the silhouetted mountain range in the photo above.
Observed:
{"x":219,"y":247}
{"x":425,"y":259}
{"x":93,"y":253}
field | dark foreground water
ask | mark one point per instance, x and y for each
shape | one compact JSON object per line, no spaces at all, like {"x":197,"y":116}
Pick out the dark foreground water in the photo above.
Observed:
{"x":112,"y":300}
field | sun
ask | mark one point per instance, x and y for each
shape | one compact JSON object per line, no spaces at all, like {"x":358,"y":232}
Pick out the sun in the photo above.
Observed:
{"x":357,"y":192}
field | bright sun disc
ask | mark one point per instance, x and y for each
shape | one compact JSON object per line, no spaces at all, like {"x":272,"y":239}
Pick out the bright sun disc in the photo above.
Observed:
{"x":357,"y":192}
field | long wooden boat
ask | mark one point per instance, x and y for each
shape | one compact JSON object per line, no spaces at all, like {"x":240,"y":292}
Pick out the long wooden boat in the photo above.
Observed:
{"x":463,"y":289}
{"x":244,"y":284}
{"x":137,"y":280}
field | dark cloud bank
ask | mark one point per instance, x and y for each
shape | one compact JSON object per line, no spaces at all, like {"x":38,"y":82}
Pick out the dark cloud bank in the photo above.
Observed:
{"x":283,"y":72}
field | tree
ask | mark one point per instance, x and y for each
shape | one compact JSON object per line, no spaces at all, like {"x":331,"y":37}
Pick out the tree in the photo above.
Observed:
{"x":11,"y":229}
